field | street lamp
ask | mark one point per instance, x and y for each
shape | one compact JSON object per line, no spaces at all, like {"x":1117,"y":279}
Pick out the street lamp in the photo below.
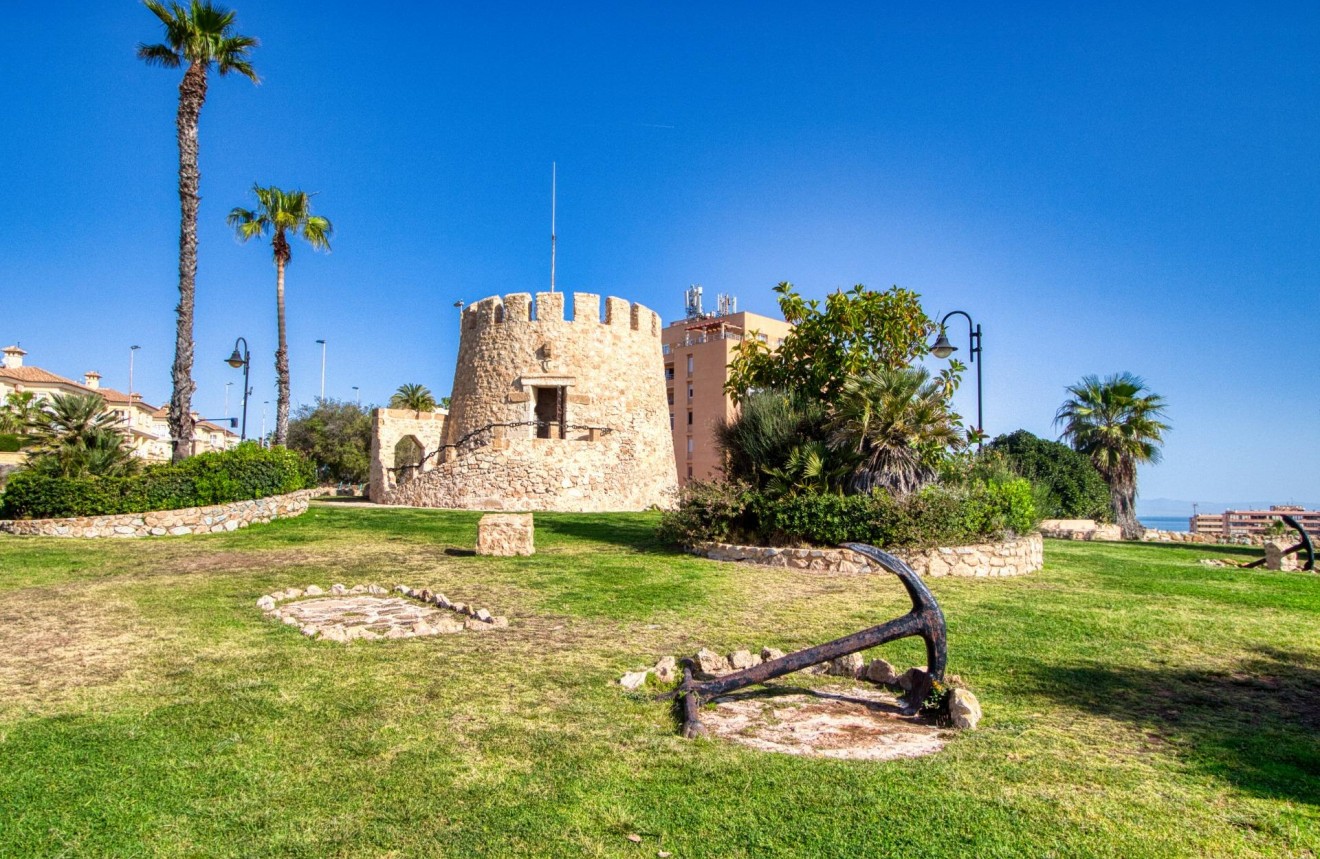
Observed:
{"x":322,"y":342}
{"x":358,"y":393}
{"x":242,"y":359}
{"x":942,"y":348}
{"x":131,"y":351}
{"x":228,"y":385}
{"x":264,"y":403}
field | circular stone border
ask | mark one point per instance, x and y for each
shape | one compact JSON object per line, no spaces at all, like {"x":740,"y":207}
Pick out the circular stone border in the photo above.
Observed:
{"x":473,"y":618}
{"x":1013,"y":557}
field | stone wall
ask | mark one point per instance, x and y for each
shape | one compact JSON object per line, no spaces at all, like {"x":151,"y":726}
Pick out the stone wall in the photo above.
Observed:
{"x":617,"y":450}
{"x":388,"y":428}
{"x":1008,"y":558}
{"x":158,"y":523}
{"x":1089,"y":529}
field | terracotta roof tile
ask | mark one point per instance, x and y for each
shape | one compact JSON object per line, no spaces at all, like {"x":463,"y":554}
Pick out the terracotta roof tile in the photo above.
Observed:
{"x":35,"y":374}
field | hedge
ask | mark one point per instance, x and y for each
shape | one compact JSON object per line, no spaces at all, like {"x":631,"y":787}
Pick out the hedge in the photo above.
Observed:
{"x":10,"y":443}
{"x":935,"y":516}
{"x":246,"y":472}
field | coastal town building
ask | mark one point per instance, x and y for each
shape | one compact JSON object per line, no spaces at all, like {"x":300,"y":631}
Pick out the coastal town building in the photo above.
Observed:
{"x":1233,"y":523}
{"x":145,"y":426}
{"x":546,"y":413}
{"x":697,"y":351}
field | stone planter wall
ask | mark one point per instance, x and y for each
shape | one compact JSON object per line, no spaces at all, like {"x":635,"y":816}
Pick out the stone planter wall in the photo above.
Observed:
{"x":1087,"y":529}
{"x":158,"y":523}
{"x":1009,"y":558}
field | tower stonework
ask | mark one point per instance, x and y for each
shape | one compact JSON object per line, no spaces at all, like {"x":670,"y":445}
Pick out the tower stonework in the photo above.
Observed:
{"x":548,"y":413}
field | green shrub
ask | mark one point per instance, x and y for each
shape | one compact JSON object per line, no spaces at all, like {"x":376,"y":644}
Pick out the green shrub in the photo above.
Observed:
{"x":10,"y":443}
{"x":935,"y":516}
{"x":243,"y":473}
{"x":1068,"y":484}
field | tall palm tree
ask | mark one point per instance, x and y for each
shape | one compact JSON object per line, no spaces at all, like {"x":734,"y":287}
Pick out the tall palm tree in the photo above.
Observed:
{"x":1116,"y":422}
{"x":278,"y":214}
{"x":898,"y":423}
{"x":416,"y":397}
{"x":200,"y":34}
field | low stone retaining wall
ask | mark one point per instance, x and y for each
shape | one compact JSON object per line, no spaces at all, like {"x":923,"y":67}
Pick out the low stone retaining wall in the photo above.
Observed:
{"x":1009,"y":558}
{"x":1088,"y":529}
{"x":158,"y":523}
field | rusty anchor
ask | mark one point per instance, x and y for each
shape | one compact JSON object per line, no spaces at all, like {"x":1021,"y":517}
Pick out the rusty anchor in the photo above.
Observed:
{"x":925,"y":620}
{"x":1305,"y":544}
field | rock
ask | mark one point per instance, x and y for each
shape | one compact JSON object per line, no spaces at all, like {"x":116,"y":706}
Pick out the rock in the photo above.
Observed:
{"x":335,"y":633}
{"x":397,"y":632}
{"x":666,"y":670}
{"x":424,"y":595}
{"x":499,"y":622}
{"x":964,"y":709}
{"x":708,"y":664}
{"x":911,"y":679}
{"x":741,"y":659}
{"x":505,"y":534}
{"x":293,"y":593}
{"x":442,"y":601}
{"x":338,"y":590}
{"x":423,"y":628}
{"x":482,"y":615}
{"x":633,"y":679}
{"x":358,"y":589}
{"x":768,"y":653}
{"x":266,"y":604}
{"x":846,"y":666}
{"x":309,"y":630}
{"x":460,"y":607}
{"x":376,"y":590}
{"x":314,"y":591}
{"x":368,"y":635}
{"x":291,"y":621}
{"x":403,"y":589}
{"x":1275,"y":559}
{"x":447,"y":625}
{"x":881,"y":671}
{"x":475,"y":625}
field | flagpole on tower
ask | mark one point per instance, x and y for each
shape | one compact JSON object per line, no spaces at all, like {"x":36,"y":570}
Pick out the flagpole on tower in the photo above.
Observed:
{"x":553,"y":176}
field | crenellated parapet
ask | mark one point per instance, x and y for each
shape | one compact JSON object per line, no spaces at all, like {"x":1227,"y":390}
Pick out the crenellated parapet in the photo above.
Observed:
{"x":547,"y":308}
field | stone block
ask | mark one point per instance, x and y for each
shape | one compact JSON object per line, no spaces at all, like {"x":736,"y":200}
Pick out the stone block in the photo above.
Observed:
{"x":505,"y":534}
{"x":1275,"y":559}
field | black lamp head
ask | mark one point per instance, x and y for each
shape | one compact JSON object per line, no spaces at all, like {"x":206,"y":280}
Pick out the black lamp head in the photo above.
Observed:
{"x":943,"y":348}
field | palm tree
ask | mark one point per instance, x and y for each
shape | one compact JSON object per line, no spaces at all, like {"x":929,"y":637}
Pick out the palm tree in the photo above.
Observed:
{"x":19,"y":411}
{"x":416,"y":397}
{"x":75,"y":436}
{"x":1116,"y":422}
{"x":200,"y":34}
{"x":279,"y":213}
{"x":898,"y":423}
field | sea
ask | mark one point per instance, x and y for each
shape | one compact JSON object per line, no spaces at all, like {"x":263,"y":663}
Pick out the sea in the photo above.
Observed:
{"x":1165,"y":523}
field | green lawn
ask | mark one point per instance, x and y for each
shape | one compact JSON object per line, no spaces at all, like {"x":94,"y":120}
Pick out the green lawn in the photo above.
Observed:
{"x":1137,"y":703}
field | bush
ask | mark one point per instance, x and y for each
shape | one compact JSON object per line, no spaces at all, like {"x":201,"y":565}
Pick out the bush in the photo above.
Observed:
{"x":1068,"y":484}
{"x":243,"y":473}
{"x":10,"y":443}
{"x":935,"y":516}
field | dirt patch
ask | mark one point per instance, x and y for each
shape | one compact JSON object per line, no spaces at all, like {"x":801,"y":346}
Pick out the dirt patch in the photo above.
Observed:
{"x":848,"y":723}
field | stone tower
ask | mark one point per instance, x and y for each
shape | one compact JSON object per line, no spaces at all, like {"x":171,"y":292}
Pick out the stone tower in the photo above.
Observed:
{"x":548,"y":413}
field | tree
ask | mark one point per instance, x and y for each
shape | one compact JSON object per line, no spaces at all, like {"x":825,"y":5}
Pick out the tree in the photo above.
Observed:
{"x":18,"y":413}
{"x":1116,"y":422}
{"x":761,"y":441}
{"x":201,"y":35}
{"x":416,"y":397}
{"x":279,"y":213}
{"x":75,"y":436}
{"x":1068,"y":486}
{"x":336,"y":435}
{"x":857,"y":332}
{"x":899,"y":425}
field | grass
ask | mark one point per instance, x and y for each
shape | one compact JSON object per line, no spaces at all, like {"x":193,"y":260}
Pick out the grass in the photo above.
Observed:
{"x":1137,"y":703}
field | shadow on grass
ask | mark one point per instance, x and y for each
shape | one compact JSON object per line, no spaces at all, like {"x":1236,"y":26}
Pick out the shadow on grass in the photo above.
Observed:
{"x":1256,"y":727}
{"x":637,"y":534}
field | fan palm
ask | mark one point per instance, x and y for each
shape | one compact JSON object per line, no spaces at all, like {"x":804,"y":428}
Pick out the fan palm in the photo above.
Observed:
{"x":278,"y":214}
{"x":897,"y":422}
{"x":200,"y":35}
{"x":416,"y":397}
{"x":75,"y":436}
{"x":1115,"y":421}
{"x":19,"y":411}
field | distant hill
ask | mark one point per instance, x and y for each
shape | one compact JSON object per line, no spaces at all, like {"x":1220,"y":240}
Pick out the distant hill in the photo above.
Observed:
{"x":1178,"y":507}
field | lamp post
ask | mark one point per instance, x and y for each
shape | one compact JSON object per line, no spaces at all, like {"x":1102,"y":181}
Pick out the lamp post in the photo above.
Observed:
{"x":132,"y":350}
{"x":228,"y":385}
{"x":322,"y":342}
{"x":242,"y":359}
{"x":357,"y":392}
{"x":942,"y":348}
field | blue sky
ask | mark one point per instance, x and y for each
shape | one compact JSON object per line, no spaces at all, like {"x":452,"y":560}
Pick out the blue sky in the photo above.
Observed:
{"x":1103,"y":188}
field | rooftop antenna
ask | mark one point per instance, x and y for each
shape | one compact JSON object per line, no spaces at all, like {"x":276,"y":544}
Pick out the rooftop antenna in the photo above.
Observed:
{"x":554,"y":169}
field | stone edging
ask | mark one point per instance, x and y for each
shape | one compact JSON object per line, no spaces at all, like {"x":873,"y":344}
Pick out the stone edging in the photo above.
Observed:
{"x":213,"y":519}
{"x":982,"y":560}
{"x":478,"y":619}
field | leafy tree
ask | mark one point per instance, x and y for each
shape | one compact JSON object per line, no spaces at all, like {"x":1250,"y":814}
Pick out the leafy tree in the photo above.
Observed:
{"x":336,"y":435}
{"x":1067,"y":482}
{"x":200,"y":34}
{"x":278,"y":214}
{"x":1116,"y":422}
{"x":898,"y":423}
{"x":18,"y":413}
{"x":416,"y":397}
{"x":75,"y":436}
{"x":855,"y":333}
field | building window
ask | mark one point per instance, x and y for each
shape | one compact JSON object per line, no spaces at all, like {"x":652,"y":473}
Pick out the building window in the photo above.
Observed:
{"x":689,"y":472}
{"x":669,"y":374}
{"x":690,"y":447}
{"x":671,"y":398}
{"x":671,"y":421}
{"x":689,"y":417}
{"x":689,"y":365}
{"x":689,"y":392}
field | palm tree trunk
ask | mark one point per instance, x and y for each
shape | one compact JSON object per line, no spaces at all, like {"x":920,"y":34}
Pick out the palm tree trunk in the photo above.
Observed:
{"x":281,"y":360}
{"x":1122,"y":498}
{"x":192,"y":95}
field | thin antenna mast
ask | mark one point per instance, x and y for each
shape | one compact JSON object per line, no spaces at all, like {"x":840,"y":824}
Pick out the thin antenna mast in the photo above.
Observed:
{"x":553,"y":176}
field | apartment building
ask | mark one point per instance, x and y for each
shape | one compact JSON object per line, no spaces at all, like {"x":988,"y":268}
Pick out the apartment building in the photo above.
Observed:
{"x":1236,"y":522}
{"x":697,"y":351}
